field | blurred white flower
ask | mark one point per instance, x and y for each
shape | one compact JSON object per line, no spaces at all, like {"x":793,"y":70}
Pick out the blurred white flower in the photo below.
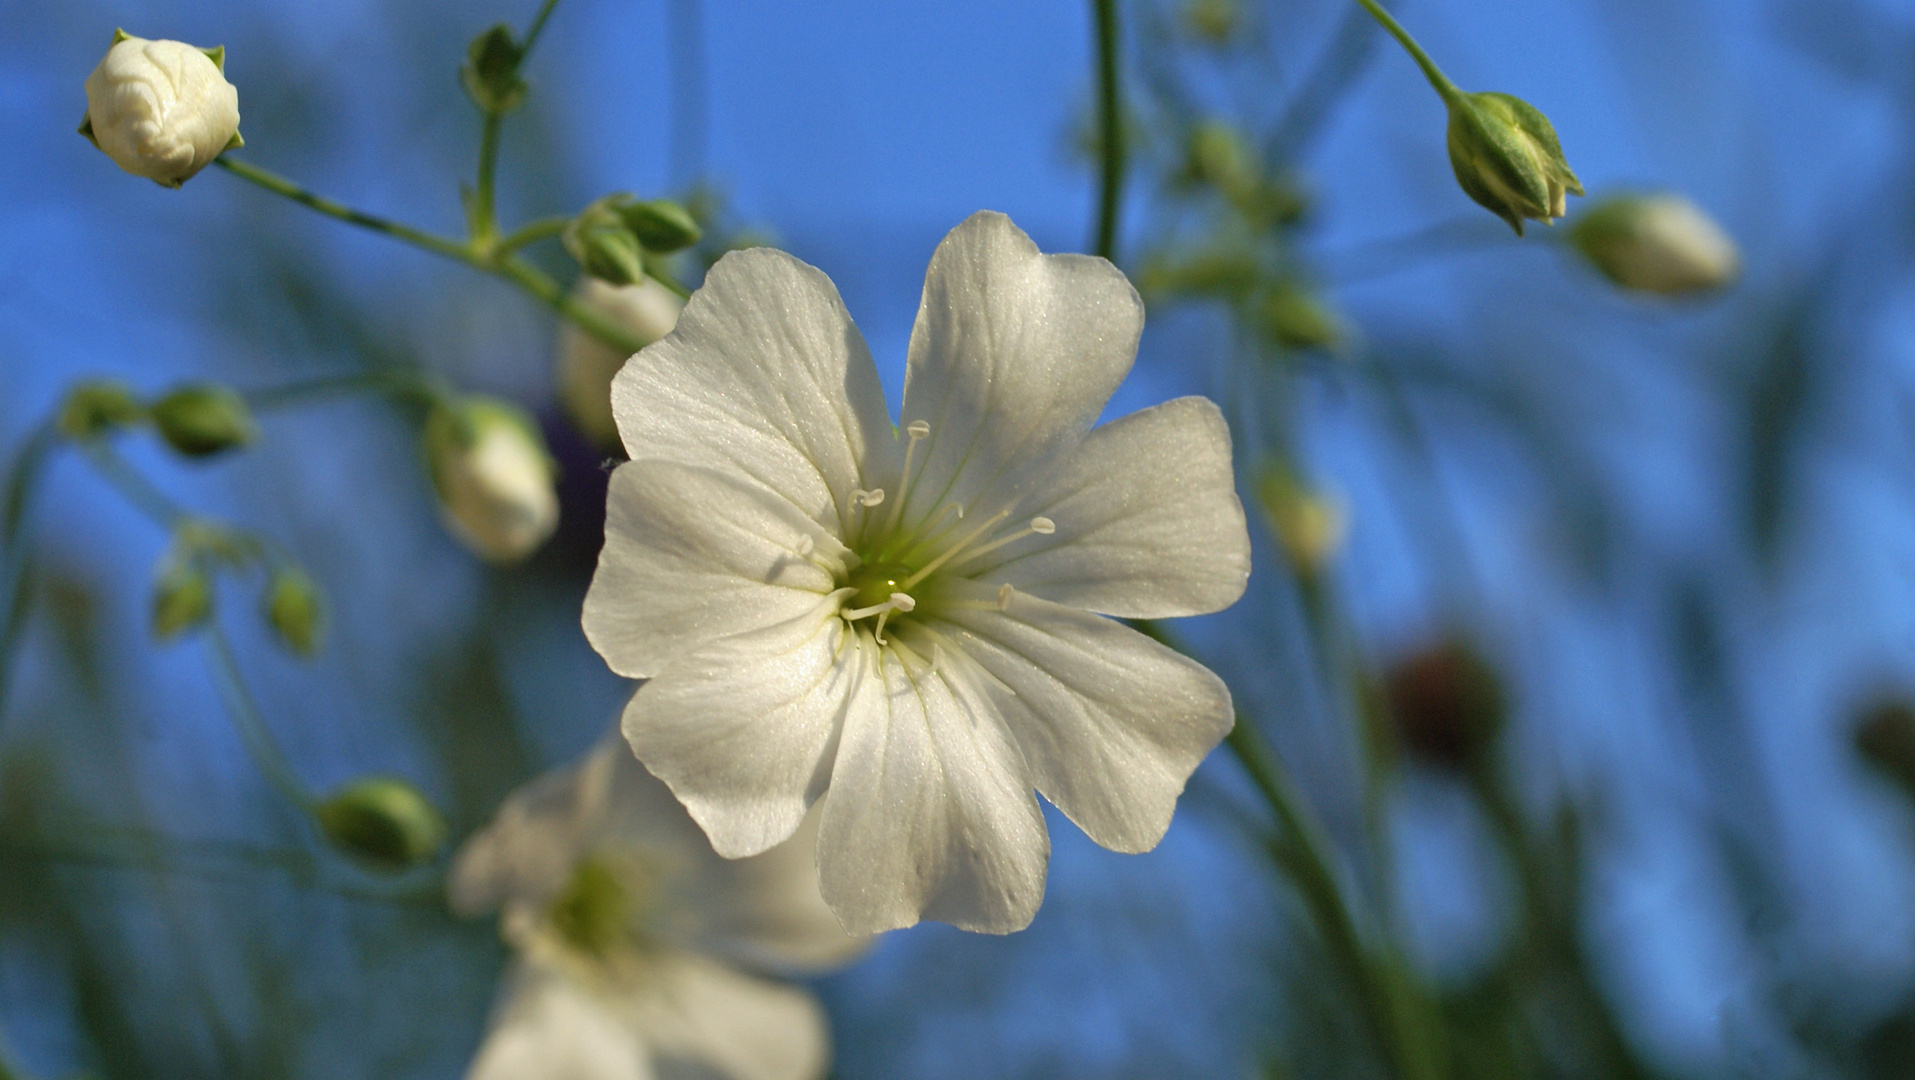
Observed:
{"x":494,"y":478}
{"x":586,"y":365}
{"x":161,"y":109}
{"x":1662,"y":244}
{"x":908,"y":624}
{"x":633,"y":938}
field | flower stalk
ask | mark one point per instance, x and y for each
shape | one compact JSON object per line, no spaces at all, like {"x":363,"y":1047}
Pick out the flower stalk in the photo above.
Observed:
{"x":1110,"y":123}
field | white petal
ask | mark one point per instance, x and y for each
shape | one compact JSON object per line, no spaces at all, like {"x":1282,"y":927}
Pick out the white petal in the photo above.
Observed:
{"x":766,"y":912}
{"x":740,"y":727}
{"x":691,"y":555}
{"x":528,"y":851}
{"x":1012,"y":357}
{"x":930,"y":813}
{"x":1111,"y":724}
{"x":548,"y":1028}
{"x":765,"y":375}
{"x":1148,"y":520}
{"x":705,"y":1021}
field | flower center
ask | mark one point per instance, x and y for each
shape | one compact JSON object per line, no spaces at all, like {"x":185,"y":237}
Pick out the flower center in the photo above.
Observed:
{"x":596,"y":913}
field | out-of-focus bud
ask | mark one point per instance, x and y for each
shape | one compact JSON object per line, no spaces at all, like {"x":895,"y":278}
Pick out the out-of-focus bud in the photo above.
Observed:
{"x":604,"y":245}
{"x":586,"y":365}
{"x":1228,"y":274}
{"x":161,"y":109}
{"x":1885,"y":738}
{"x":96,"y":407}
{"x":293,"y":609}
{"x":491,"y":71}
{"x":1296,"y":318}
{"x":182,"y":598}
{"x":493,"y":476}
{"x":1215,"y":154}
{"x":1446,"y":703}
{"x":382,"y":821}
{"x":661,"y":225}
{"x":1508,"y":159}
{"x":203,"y":419}
{"x":1662,"y":244}
{"x":1308,"y":524}
{"x":1213,"y":21}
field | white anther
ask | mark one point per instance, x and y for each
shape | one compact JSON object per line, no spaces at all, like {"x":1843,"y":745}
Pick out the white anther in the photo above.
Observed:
{"x":917,"y":429}
{"x":806,"y":545}
{"x":867,"y":498}
{"x":1043,"y":526}
{"x":1004,"y":594}
{"x":903,"y":601}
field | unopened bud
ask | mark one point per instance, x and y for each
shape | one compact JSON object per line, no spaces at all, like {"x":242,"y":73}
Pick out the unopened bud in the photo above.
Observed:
{"x":1447,"y":704}
{"x":182,"y":598}
{"x":203,"y":419}
{"x":491,"y":71}
{"x":586,"y":365}
{"x":494,"y":477}
{"x":604,"y":246}
{"x":1885,"y":738}
{"x":97,"y":407}
{"x":1661,"y":244}
{"x":293,"y":609}
{"x":1296,"y":318}
{"x":1507,"y":158}
{"x":1308,"y":524}
{"x":161,"y":109}
{"x":1215,"y":154}
{"x":661,"y":225}
{"x":382,"y":821}
{"x":1224,"y":274}
{"x":1213,"y":21}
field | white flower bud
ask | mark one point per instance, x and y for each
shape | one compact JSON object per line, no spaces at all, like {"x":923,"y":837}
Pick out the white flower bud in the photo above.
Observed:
{"x":493,"y":477}
{"x":1661,"y":244}
{"x":586,"y":365}
{"x":161,"y":109}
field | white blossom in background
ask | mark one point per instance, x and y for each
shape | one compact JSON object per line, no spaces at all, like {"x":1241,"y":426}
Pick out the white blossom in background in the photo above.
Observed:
{"x":586,"y":365}
{"x":909,"y":626}
{"x":161,"y":109}
{"x":635,"y":943}
{"x":1661,"y":244}
{"x":494,"y":477}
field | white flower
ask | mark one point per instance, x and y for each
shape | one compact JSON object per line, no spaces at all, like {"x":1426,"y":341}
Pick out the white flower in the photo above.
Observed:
{"x":161,"y":109}
{"x":631,"y":935}
{"x":647,"y":310}
{"x":909,"y":624}
{"x":1662,"y":244}
{"x":493,"y":476}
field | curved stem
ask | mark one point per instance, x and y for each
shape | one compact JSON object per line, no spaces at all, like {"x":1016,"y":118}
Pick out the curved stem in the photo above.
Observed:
{"x":1110,"y":123}
{"x":1440,"y":82}
{"x":533,"y":31}
{"x":279,"y":185}
{"x":535,"y":281}
{"x":135,"y":488}
{"x":251,"y":724}
{"x":405,"y":386}
{"x":530,"y":233}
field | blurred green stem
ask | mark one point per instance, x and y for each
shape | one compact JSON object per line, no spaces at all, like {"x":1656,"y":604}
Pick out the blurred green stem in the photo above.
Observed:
{"x":533,"y":31}
{"x":531,"y":233}
{"x":1440,"y":82}
{"x":252,"y":726}
{"x":1110,"y":124}
{"x":404,"y":386}
{"x":22,"y":481}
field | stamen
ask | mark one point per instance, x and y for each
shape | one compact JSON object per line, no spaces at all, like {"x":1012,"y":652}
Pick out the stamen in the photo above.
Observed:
{"x":1040,"y":526}
{"x":1043,"y":526}
{"x":867,"y":499}
{"x":954,"y":549}
{"x":1004,"y":594}
{"x":903,"y":601}
{"x":916,"y":429}
{"x":898,"y":601}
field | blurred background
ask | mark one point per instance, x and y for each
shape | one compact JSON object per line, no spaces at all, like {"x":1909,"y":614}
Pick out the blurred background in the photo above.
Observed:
{"x":1583,"y":618}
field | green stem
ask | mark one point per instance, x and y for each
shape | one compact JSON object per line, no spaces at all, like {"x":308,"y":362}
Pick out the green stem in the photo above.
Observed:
{"x":534,"y":281}
{"x":530,"y":233}
{"x":22,"y":481}
{"x":279,"y":185}
{"x":482,"y":222}
{"x":533,"y":31}
{"x":1440,"y":82}
{"x":251,"y":724}
{"x":135,"y":488}
{"x":404,"y":386}
{"x":1110,"y":123}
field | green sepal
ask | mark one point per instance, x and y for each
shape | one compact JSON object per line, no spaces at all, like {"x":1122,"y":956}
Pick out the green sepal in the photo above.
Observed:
{"x":382,"y":821}
{"x":293,"y":609}
{"x":86,"y":129}
{"x":203,"y":419}
{"x":182,"y":599}
{"x":97,"y":407}
{"x":234,"y":143}
{"x":491,"y":71}
{"x":217,"y":54}
{"x":119,"y":35}
{"x":661,"y":225}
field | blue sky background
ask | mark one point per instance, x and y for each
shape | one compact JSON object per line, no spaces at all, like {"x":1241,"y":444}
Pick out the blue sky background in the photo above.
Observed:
{"x":1591,"y":529}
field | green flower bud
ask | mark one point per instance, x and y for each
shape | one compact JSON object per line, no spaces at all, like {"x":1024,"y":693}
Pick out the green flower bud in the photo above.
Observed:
{"x":203,"y":419}
{"x":1885,"y":739}
{"x":1446,"y":703}
{"x":1309,"y":525}
{"x":494,"y":477}
{"x":1507,"y":158}
{"x":382,"y":821}
{"x":1215,"y":154}
{"x":293,"y":609}
{"x":1224,"y":274}
{"x":1213,"y":22}
{"x":97,"y":407}
{"x":1296,"y":318}
{"x":1660,"y":244}
{"x":491,"y":71}
{"x":182,"y":598}
{"x":661,"y":225}
{"x":604,"y":245}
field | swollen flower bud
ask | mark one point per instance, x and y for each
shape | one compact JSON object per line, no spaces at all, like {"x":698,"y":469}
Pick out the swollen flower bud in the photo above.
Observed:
{"x":494,"y":478}
{"x":1447,"y":704}
{"x":182,"y":598}
{"x":648,"y":311}
{"x":491,"y":71}
{"x":1661,"y":244}
{"x":661,"y":225}
{"x":161,"y":109}
{"x":605,"y":246}
{"x":96,"y":407}
{"x":382,"y":821}
{"x":1308,"y":524}
{"x":1296,"y":318}
{"x":293,"y":609}
{"x":203,"y":419}
{"x":1507,"y":158}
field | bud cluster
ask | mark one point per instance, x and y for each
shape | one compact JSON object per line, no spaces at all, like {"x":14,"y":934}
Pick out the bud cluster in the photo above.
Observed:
{"x":613,"y":238}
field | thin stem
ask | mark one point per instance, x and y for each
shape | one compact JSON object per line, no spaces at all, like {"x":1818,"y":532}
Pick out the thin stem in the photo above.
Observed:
{"x":22,"y":481}
{"x":1440,"y":82}
{"x":533,"y":31}
{"x":402,"y":386}
{"x":1110,"y":123}
{"x":530,"y":233}
{"x":279,"y":185}
{"x":535,"y":281}
{"x":482,"y":222}
{"x":135,"y":488}
{"x":251,"y":724}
